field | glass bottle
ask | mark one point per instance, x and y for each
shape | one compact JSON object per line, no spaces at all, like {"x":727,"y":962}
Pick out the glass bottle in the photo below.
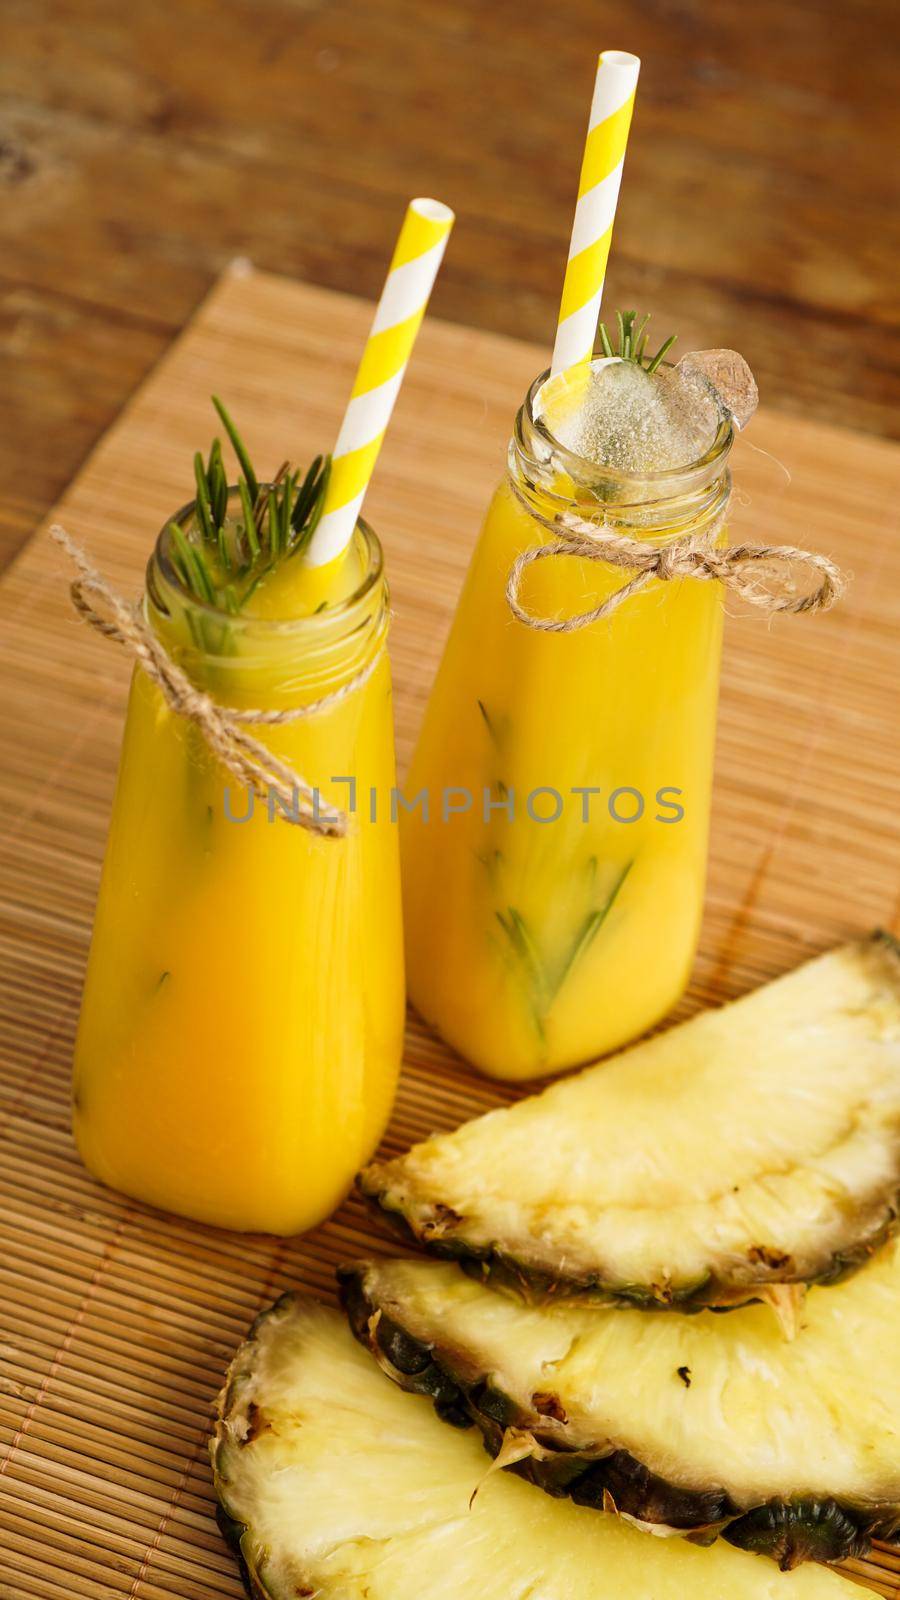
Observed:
{"x":554,"y":875}
{"x":242,"y":1022}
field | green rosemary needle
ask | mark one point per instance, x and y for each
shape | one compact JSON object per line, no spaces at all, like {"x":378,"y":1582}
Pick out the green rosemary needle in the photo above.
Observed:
{"x":249,"y":520}
{"x":661,"y":352}
{"x":239,"y":448}
{"x":204,"y":509}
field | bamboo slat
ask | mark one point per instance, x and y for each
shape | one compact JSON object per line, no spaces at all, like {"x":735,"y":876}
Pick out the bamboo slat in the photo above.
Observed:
{"x":118,"y":1321}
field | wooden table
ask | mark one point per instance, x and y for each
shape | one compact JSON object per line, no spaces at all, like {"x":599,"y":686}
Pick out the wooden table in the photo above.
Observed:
{"x":143,"y":144}
{"x":116,"y":1321}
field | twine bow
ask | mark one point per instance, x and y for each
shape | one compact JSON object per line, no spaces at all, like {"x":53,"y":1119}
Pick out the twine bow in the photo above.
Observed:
{"x":223,"y":727}
{"x":696,"y":556}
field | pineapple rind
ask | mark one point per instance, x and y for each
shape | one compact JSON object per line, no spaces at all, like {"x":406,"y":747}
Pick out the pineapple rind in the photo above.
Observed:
{"x":750,"y":1147}
{"x":338,"y":1486}
{"x":790,"y":1449}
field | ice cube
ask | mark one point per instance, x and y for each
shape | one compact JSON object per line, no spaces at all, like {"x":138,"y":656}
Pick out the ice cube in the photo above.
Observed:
{"x":724,"y":377}
{"x":621,"y":416}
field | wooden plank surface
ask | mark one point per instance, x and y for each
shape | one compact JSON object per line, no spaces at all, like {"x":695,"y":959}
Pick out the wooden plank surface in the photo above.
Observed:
{"x":142,"y":145}
{"x":117,"y":1321}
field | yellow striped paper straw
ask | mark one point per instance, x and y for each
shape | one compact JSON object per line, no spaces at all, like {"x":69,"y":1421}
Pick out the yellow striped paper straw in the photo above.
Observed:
{"x":413,"y":269}
{"x":598,"y":192}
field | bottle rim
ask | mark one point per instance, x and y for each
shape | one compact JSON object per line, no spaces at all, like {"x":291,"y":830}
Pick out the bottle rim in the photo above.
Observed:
{"x":161,"y":565}
{"x":538,"y":447}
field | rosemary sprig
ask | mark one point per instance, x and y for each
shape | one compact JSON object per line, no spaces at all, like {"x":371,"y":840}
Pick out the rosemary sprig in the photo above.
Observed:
{"x":632,"y":341}
{"x":526,"y":952}
{"x":221,"y":558}
{"x":591,"y":925}
{"x":545,"y":979}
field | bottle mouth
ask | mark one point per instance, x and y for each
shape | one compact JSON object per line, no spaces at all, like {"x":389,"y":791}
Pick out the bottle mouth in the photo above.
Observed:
{"x":164,"y":581}
{"x":542,"y":455}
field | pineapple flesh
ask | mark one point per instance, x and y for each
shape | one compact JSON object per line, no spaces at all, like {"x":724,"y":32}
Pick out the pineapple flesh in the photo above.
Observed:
{"x":751,"y":1147}
{"x":336,"y":1485}
{"x":679,"y":1422}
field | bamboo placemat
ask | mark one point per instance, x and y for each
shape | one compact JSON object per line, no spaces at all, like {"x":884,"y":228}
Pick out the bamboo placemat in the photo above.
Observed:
{"x":117,"y":1321}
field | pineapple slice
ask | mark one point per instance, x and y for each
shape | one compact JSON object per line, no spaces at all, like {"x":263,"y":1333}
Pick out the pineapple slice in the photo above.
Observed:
{"x":681,"y":1422}
{"x":337,"y":1486}
{"x":752,"y":1147}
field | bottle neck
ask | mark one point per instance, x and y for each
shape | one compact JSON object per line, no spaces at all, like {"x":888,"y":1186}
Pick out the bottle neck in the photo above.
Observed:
{"x":553,"y":481}
{"x":270,"y":663}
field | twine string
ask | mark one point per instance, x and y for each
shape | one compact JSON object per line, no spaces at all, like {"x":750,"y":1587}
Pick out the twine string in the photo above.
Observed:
{"x":224,"y":728}
{"x":739,"y":568}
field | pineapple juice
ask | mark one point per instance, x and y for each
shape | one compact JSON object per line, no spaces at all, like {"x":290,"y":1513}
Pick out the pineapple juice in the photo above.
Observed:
{"x":242,"y":1023}
{"x":556,"y":915}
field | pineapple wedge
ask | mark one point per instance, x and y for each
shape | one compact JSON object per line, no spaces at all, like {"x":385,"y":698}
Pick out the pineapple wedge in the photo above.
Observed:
{"x":752,"y":1147}
{"x":682,"y":1423}
{"x":336,"y":1485}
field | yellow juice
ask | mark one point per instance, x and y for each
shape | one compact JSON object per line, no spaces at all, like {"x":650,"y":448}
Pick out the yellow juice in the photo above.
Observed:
{"x":242,"y":1023}
{"x":552,"y":898}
